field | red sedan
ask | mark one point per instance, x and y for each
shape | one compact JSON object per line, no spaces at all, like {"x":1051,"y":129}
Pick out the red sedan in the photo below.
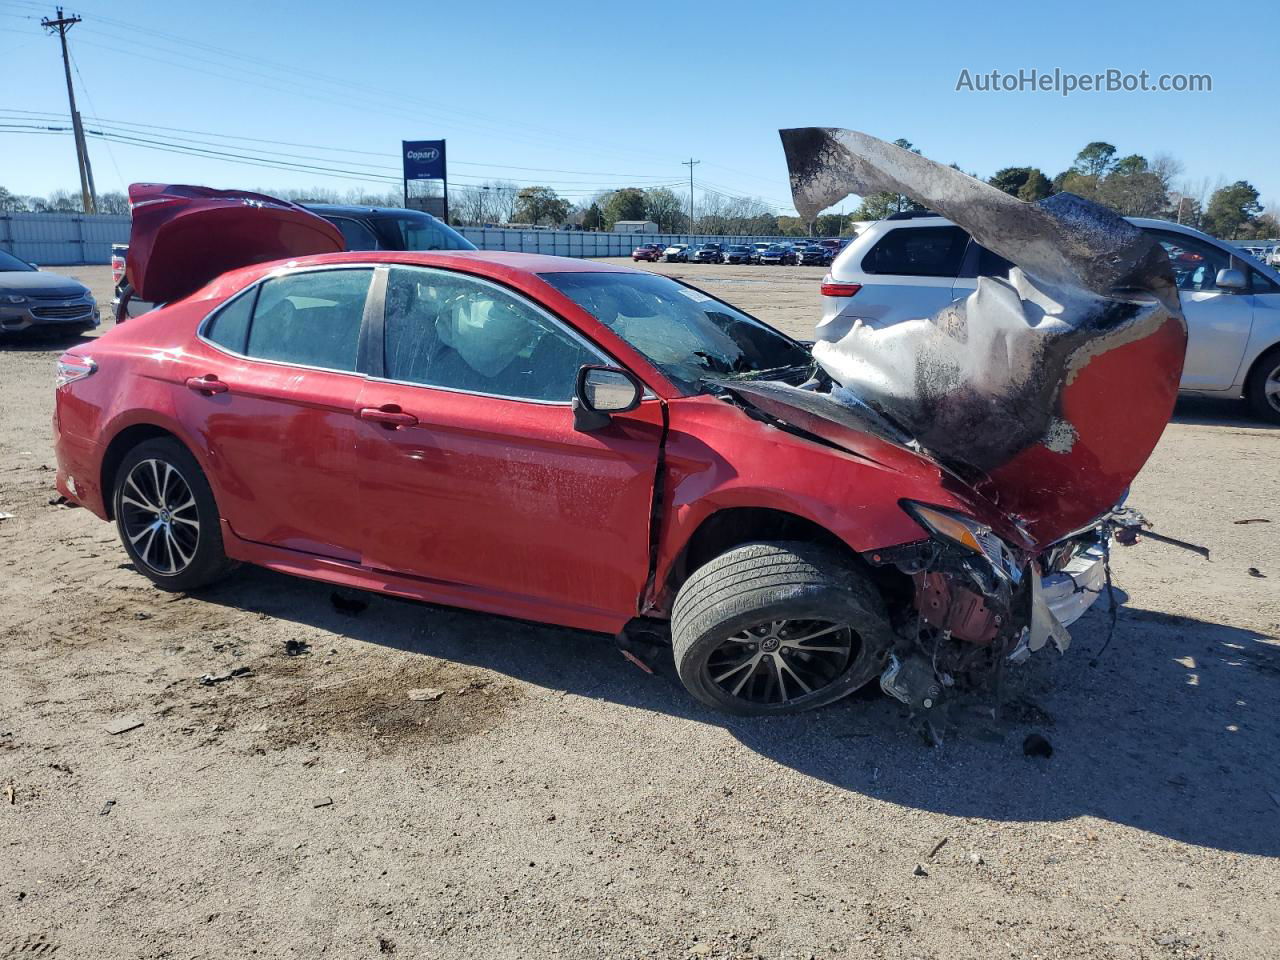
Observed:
{"x":557,"y":440}
{"x":648,"y":251}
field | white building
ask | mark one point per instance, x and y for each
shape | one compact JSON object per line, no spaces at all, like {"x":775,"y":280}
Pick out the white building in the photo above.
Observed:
{"x":635,"y":226}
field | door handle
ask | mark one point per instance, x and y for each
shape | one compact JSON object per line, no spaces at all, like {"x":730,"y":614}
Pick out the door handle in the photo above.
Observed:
{"x":209,"y":384}
{"x":389,"y":415}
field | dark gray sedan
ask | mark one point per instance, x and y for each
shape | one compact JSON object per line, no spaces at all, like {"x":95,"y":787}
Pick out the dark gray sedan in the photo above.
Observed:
{"x":32,"y":300}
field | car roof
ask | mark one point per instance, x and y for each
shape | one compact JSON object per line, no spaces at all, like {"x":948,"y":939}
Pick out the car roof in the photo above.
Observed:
{"x":485,"y":262}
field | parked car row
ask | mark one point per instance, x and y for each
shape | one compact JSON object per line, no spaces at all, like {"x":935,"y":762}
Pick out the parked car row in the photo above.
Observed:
{"x":804,"y":252}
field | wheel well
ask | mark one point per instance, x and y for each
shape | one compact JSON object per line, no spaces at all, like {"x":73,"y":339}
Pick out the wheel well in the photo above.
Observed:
{"x":735,"y":526}
{"x":117,"y":449}
{"x":1265,"y":356}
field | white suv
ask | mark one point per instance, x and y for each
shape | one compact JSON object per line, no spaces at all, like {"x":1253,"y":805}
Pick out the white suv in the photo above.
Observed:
{"x":913,"y":265}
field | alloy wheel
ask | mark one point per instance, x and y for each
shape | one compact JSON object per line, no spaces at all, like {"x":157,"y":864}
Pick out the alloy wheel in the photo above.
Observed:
{"x":781,"y":660}
{"x":1271,"y":388}
{"x":159,"y":517}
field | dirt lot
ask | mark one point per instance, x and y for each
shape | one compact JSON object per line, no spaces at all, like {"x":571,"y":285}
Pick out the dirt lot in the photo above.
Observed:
{"x":557,"y":801}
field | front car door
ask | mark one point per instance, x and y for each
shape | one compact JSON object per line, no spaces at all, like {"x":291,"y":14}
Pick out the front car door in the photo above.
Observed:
{"x":1218,"y":321}
{"x":475,"y":477}
{"x":280,"y":418}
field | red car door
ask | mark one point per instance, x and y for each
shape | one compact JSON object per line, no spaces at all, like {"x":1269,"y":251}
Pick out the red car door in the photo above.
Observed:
{"x":274,"y":391}
{"x":471,"y":472}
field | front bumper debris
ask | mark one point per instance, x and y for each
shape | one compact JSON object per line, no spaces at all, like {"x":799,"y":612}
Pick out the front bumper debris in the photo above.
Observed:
{"x":1074,"y":589}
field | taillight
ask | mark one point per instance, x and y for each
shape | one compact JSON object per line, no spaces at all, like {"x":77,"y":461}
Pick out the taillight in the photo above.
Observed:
{"x":117,"y":269}
{"x":71,"y":368}
{"x":830,"y":289}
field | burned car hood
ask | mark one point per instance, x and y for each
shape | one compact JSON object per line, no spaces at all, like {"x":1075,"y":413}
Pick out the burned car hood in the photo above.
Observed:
{"x":1046,"y":390}
{"x":184,"y":236}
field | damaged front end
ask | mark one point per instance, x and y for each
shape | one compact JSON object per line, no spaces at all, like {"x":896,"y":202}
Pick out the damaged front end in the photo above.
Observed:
{"x":1040,"y":395}
{"x":979,"y":604}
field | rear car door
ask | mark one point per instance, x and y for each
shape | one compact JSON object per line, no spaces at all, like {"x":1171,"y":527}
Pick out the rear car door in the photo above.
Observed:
{"x":1218,"y":321}
{"x":275,"y":395}
{"x":471,"y":471}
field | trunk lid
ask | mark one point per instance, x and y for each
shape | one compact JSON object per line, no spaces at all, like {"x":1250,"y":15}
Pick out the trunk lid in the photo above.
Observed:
{"x":184,"y":236}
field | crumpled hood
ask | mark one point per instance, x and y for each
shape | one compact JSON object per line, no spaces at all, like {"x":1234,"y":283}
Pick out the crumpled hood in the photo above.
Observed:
{"x":1047,"y":390}
{"x":184,"y":236}
{"x":26,"y":283}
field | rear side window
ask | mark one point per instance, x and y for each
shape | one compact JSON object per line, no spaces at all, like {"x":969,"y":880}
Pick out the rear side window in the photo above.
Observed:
{"x":230,"y":326}
{"x":918,"y":252}
{"x":312,"y":319}
{"x":992,"y":264}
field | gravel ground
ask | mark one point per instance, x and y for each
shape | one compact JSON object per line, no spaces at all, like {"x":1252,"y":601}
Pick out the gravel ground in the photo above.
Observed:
{"x":557,"y":801}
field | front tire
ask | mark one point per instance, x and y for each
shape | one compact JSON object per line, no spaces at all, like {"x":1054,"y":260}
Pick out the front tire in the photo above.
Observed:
{"x":768,"y":629}
{"x":1262,"y":389}
{"x":167,"y":518}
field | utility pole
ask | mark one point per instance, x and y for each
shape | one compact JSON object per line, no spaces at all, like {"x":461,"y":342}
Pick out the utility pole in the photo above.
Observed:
{"x":690,"y":163}
{"x":88,"y":196}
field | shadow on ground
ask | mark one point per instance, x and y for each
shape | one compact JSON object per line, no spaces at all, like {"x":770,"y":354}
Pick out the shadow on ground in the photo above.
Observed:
{"x":1173,"y":732}
{"x":1218,"y":412}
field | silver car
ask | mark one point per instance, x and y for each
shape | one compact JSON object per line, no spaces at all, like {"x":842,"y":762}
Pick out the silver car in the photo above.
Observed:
{"x":31,"y":299}
{"x":912,"y":265}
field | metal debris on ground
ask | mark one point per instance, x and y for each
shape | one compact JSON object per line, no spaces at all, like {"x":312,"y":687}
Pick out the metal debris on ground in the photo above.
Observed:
{"x":919,"y":871}
{"x":106,"y":808}
{"x":1255,"y":572}
{"x":427,"y":694}
{"x":322,"y":802}
{"x":123,"y":725}
{"x":296,"y":648}
{"x":1251,"y":520}
{"x":936,"y":847}
{"x":1037,"y":746}
{"x":637,"y":661}
{"x":209,"y":679}
{"x":5,"y":516}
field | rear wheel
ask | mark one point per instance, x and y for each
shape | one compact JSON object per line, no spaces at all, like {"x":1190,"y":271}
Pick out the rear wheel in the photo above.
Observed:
{"x":777,"y":628}
{"x":1263,"y":386}
{"x":167,"y":517}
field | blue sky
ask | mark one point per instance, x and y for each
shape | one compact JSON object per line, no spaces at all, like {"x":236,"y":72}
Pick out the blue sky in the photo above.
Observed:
{"x":613,"y":94}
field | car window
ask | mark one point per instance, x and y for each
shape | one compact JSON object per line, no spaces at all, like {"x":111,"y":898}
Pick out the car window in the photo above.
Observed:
{"x":690,"y":336}
{"x":446,"y":330}
{"x":917,"y":252}
{"x":311,"y":319}
{"x":229,"y":327}
{"x":1195,"y":263}
{"x":420,"y":231}
{"x":355,"y":234}
{"x":1260,"y":283}
{"x":992,"y":264}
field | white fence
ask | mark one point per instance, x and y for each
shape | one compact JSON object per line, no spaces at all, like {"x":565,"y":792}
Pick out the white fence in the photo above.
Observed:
{"x":59,"y":239}
{"x":55,"y":239}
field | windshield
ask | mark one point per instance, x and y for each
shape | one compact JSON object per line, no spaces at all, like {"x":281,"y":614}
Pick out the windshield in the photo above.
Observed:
{"x":693,"y":338}
{"x":418,"y":232}
{"x":9,"y":262}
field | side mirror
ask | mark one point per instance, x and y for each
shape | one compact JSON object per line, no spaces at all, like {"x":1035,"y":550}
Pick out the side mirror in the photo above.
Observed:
{"x":1232,"y":281}
{"x":33,"y":265}
{"x":601,"y":392}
